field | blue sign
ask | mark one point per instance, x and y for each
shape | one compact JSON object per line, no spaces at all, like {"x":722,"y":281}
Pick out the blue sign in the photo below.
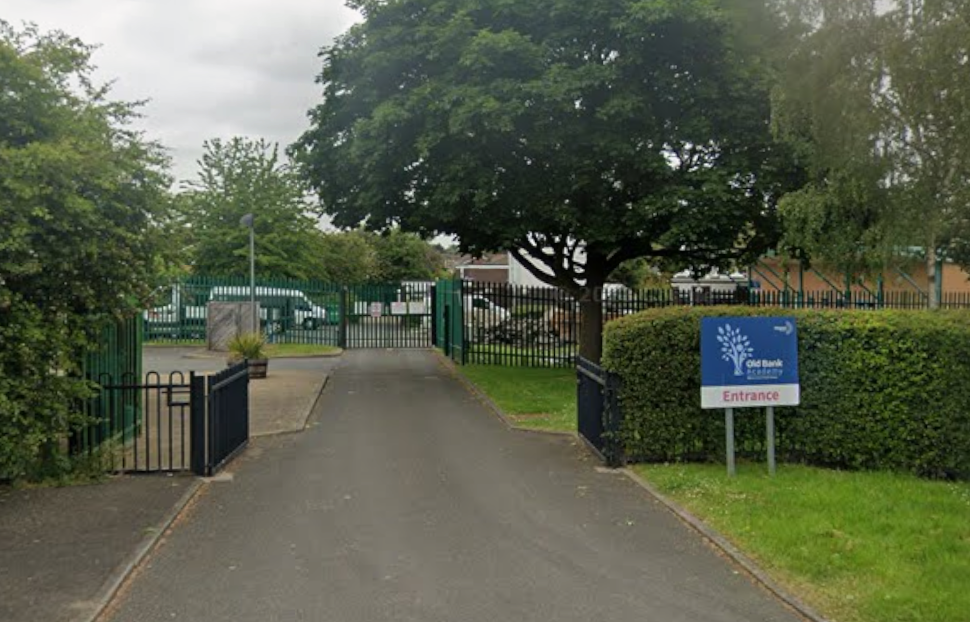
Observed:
{"x":748,"y":362}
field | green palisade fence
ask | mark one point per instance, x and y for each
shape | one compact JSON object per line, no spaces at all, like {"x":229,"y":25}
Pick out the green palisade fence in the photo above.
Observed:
{"x":472,"y":322}
{"x":116,"y":360}
{"x":383,"y":315}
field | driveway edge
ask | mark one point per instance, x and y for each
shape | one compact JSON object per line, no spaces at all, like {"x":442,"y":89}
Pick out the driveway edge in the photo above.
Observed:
{"x":732,"y":552}
{"x":118,"y":578}
{"x":316,"y":400}
{"x":496,"y":410}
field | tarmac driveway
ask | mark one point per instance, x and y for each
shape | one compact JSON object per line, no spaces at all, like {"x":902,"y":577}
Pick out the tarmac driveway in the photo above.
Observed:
{"x":408,"y":500}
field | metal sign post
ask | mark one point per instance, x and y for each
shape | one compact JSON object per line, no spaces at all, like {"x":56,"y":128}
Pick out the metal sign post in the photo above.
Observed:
{"x":749,"y":362}
{"x":770,"y":424}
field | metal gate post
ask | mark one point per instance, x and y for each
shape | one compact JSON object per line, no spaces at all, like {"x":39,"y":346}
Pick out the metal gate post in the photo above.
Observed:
{"x":197,"y":424}
{"x":342,"y":335}
{"x":613,"y":420}
{"x":434,"y":316}
{"x":461,"y":323}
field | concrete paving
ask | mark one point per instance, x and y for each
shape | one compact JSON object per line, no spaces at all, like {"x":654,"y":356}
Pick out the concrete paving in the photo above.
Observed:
{"x":59,"y":546}
{"x":408,"y":500}
{"x":280,"y":403}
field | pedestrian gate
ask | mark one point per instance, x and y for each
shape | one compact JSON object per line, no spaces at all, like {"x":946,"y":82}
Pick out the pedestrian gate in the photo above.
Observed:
{"x":166,"y":422}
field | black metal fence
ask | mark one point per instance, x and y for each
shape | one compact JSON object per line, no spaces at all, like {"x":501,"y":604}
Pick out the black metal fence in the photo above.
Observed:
{"x":139,"y":425}
{"x":227,"y":426}
{"x":514,"y":325}
{"x":166,"y":422}
{"x":598,"y":410}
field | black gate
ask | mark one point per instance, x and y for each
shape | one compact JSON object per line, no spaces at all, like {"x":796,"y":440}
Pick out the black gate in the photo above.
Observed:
{"x":226,"y":428}
{"x":598,"y":406}
{"x":166,"y":422}
{"x":139,"y":425}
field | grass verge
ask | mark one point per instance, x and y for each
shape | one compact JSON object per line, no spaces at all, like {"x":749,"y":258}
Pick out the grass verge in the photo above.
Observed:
{"x":859,"y":547}
{"x":283,"y":350}
{"x":538,"y":398}
{"x":512,"y":356}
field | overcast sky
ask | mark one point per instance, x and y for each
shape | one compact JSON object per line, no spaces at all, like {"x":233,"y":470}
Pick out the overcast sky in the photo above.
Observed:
{"x":209,"y":68}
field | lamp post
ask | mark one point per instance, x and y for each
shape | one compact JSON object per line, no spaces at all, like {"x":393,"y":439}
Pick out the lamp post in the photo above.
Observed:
{"x":247,"y":221}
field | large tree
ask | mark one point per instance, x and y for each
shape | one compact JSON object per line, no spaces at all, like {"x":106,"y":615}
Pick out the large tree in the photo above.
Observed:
{"x":875,"y":97}
{"x":82,"y":196}
{"x":619,"y":127}
{"x":246,"y":176}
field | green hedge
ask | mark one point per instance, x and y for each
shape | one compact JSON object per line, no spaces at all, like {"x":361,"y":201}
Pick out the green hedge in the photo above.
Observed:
{"x":879,"y":389}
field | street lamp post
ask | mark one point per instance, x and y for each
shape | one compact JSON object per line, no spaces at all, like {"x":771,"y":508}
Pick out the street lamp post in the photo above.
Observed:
{"x":247,"y":221}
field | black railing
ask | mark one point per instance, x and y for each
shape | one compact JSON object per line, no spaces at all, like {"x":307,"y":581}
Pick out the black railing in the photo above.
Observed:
{"x":516,"y":325}
{"x":227,"y":424}
{"x":138,"y":424}
{"x":165,"y":422}
{"x":598,"y":410}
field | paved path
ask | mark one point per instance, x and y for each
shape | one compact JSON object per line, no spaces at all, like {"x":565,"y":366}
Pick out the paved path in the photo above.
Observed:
{"x":59,"y":546}
{"x":407,"y":500}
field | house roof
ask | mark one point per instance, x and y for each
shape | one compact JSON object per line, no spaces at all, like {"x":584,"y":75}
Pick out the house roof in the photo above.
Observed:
{"x":492,"y":260}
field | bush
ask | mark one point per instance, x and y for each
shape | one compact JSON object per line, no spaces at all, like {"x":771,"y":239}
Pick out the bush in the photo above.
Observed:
{"x":879,"y":390}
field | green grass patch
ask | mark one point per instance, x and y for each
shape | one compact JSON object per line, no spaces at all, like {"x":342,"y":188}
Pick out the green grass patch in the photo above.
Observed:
{"x":858,"y":546}
{"x":283,"y":350}
{"x":538,"y":398}
{"x":185,"y":343}
{"x":515,"y":356}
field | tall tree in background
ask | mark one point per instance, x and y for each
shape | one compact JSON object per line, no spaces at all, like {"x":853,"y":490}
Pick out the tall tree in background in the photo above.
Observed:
{"x":245,"y":176}
{"x":403,"y":256}
{"x":876,"y":96}
{"x":347,"y":257}
{"x":82,"y":196}
{"x":625,"y":128}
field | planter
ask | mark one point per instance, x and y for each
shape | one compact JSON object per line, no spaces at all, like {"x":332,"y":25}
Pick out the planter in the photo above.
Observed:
{"x":257,"y":368}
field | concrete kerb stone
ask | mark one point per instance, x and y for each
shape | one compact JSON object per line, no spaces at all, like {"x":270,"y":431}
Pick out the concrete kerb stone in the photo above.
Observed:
{"x":301,"y":421}
{"x":713,"y":538}
{"x":316,"y":400}
{"x":721,"y":544}
{"x":118,"y":578}
{"x":482,"y":397}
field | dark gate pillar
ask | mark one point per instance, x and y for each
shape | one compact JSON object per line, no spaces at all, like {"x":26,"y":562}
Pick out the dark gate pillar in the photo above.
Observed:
{"x":344,"y":320}
{"x":197,"y":425}
{"x":434,"y":316}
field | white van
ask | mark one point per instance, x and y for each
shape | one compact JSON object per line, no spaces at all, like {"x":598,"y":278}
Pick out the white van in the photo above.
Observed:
{"x":288,"y":307}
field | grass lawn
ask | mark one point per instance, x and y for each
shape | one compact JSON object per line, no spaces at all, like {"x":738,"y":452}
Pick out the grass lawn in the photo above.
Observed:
{"x":533,"y":398}
{"x":282,"y":350}
{"x":859,"y":547}
{"x":186,"y":343}
{"x":513,"y":356}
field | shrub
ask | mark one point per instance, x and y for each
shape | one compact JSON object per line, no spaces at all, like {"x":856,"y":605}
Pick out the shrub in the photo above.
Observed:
{"x":880,"y":390}
{"x":247,"y":346}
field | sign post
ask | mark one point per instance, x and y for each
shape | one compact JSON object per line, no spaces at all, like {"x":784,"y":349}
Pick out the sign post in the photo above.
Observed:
{"x":749,"y":362}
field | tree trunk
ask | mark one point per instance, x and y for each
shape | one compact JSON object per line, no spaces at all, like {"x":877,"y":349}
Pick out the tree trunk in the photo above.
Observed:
{"x":591,"y":325}
{"x":931,"y":277}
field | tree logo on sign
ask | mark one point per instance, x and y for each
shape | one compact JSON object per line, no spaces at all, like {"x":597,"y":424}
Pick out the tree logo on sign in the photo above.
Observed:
{"x":735,"y":347}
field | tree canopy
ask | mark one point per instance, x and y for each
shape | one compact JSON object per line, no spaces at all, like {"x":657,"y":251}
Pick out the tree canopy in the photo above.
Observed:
{"x":82,"y":196}
{"x":239,"y":177}
{"x":875,"y":98}
{"x":359,"y":256}
{"x":629,"y":129}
